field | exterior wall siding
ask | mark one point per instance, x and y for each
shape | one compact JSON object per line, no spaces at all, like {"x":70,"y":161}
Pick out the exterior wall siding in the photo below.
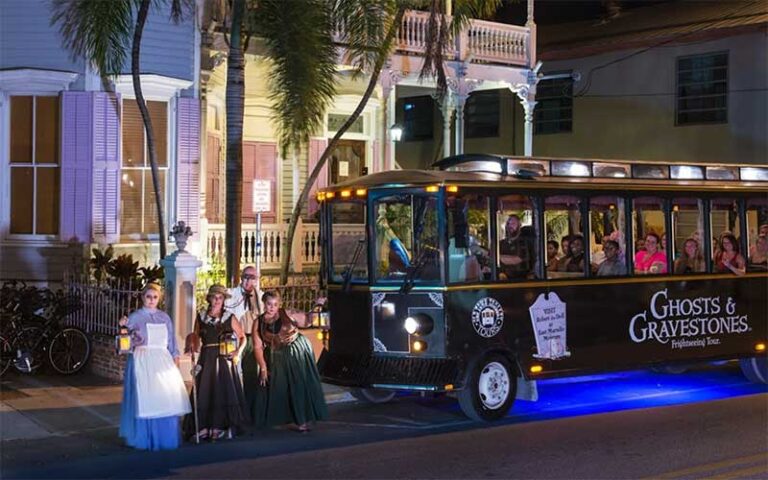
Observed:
{"x":629,"y":109}
{"x":166,"y":48}
{"x":28,"y":41}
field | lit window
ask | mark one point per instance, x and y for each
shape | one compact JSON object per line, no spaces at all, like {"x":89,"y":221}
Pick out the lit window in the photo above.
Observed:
{"x":34,"y":162}
{"x":138,"y":212}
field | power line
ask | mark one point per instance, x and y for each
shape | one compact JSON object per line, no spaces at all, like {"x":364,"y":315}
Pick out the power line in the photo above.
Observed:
{"x":706,"y":24}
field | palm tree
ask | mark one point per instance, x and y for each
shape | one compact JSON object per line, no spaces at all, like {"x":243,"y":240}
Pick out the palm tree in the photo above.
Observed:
{"x":100,"y":32}
{"x":298,"y":37}
{"x":369,"y":28}
{"x":235,"y":98}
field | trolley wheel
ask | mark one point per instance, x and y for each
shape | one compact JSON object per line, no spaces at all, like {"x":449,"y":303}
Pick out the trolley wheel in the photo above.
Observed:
{"x":69,"y":351}
{"x":490,"y":389}
{"x":373,"y":395}
{"x":6,"y":355}
{"x":755,"y":369}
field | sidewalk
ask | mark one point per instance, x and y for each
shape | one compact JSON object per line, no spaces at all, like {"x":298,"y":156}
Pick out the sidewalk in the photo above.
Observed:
{"x":48,"y":405}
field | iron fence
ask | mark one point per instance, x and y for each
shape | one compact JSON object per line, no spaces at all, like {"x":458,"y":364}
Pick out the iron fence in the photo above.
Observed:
{"x":102,"y":304}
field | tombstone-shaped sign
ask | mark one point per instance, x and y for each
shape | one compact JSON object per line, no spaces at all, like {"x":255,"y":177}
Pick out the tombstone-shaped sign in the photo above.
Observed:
{"x":549,"y":326}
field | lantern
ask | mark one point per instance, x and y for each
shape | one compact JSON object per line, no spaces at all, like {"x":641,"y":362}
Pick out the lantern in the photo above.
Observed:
{"x":123,"y":342}
{"x":319,"y":317}
{"x":228,"y":344}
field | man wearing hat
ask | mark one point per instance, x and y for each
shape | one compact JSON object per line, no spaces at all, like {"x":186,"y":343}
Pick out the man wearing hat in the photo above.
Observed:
{"x":245,"y":303}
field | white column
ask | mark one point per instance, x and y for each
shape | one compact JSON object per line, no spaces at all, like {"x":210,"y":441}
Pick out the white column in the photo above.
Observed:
{"x":460,"y":101}
{"x":527,"y":95}
{"x":447,"y":108}
{"x":180,"y":279}
{"x":391,"y":102}
{"x":528,"y":106}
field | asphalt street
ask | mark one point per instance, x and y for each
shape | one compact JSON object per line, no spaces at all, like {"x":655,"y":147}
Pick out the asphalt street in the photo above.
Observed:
{"x":706,"y":423}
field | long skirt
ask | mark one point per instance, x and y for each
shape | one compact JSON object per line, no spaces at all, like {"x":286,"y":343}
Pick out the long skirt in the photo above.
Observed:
{"x":250,"y":374}
{"x":220,"y":400}
{"x":293,"y":393}
{"x":144,"y":434}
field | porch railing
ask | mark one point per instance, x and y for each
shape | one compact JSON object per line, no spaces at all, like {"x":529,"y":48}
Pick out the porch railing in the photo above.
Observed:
{"x":480,"y":42}
{"x":273,"y":244}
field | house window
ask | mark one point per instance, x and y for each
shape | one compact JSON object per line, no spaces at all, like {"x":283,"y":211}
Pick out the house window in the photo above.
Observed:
{"x":138,"y":213}
{"x":481,"y":114}
{"x":702,"y":89}
{"x":418,"y":118}
{"x":34,"y":163}
{"x":554,"y":106}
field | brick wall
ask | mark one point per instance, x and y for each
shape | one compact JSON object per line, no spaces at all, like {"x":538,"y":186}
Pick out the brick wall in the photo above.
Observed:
{"x":104,"y":361}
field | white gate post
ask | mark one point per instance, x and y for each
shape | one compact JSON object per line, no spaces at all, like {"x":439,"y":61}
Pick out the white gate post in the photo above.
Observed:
{"x":180,"y":280}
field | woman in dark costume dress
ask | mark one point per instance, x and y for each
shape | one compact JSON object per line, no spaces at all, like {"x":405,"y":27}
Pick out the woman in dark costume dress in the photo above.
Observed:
{"x":288,"y":388}
{"x":220,"y":402}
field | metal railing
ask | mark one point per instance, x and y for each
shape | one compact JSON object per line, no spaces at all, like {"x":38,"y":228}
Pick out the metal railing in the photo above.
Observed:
{"x":102,"y":304}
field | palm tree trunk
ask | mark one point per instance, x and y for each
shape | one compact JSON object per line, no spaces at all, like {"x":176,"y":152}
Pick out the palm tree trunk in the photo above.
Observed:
{"x":235,"y":107}
{"x":141,"y":19}
{"x":372,"y":82}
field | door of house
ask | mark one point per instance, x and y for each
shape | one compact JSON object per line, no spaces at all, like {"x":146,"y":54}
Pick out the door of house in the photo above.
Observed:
{"x":347,"y":161}
{"x":259,"y":181}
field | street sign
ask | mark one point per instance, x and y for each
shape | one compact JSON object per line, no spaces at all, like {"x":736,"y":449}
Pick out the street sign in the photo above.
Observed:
{"x":262,"y":196}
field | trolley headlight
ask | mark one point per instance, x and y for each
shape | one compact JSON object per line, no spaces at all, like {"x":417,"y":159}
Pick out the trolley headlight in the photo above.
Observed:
{"x":419,"y":324}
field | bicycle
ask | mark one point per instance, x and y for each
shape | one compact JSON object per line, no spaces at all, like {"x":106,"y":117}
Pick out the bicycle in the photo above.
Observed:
{"x":38,"y":337}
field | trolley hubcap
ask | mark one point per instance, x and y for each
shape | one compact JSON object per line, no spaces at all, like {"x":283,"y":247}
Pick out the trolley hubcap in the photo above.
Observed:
{"x":493,"y":385}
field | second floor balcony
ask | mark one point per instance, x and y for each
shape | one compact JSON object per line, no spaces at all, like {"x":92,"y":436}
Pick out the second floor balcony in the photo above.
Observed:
{"x":480,"y":42}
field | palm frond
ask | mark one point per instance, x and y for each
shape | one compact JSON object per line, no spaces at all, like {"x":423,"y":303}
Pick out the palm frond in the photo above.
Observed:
{"x":465,"y":10}
{"x":180,"y":9}
{"x":362,"y":26}
{"x":298,"y":36}
{"x":442,"y":30}
{"x":96,"y":30}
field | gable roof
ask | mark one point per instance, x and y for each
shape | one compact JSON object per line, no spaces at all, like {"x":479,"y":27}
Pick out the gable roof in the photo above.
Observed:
{"x":681,"y":21}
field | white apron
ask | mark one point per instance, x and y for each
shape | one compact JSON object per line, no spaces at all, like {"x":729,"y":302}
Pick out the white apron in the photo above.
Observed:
{"x":160,"y":389}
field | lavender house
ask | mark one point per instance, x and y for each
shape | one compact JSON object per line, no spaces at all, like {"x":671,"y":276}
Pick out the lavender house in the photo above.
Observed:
{"x":74,"y":171}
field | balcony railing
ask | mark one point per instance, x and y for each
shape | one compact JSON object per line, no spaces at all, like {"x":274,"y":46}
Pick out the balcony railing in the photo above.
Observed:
{"x":273,"y":244}
{"x":480,"y":42}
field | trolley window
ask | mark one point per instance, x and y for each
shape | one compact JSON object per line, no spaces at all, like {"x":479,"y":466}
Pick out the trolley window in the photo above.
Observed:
{"x":468,"y":238}
{"x":727,"y":254}
{"x":407,"y":240}
{"x":649,"y":232}
{"x":607,"y":242}
{"x":757,"y":229}
{"x":349,"y":245}
{"x":517,"y":238}
{"x":688,"y":242}
{"x":562,"y":217}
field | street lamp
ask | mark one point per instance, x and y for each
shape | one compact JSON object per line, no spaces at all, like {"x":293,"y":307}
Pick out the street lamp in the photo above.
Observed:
{"x":396,"y":132}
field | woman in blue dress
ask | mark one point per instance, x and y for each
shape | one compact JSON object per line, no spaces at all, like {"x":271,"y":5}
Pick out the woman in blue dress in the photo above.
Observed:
{"x":154,"y":395}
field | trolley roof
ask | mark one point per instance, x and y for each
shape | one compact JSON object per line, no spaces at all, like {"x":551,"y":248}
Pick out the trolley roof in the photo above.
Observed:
{"x":543,"y":172}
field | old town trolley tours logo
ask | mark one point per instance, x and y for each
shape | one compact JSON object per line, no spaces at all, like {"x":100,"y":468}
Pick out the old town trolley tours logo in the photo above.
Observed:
{"x":487,"y":317}
{"x":687,"y":322}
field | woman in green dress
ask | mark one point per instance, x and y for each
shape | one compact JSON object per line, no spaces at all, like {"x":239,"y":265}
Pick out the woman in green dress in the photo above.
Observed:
{"x":287,"y":388}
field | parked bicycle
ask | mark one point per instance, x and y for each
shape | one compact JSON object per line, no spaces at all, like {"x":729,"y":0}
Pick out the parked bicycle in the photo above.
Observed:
{"x":29,"y":338}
